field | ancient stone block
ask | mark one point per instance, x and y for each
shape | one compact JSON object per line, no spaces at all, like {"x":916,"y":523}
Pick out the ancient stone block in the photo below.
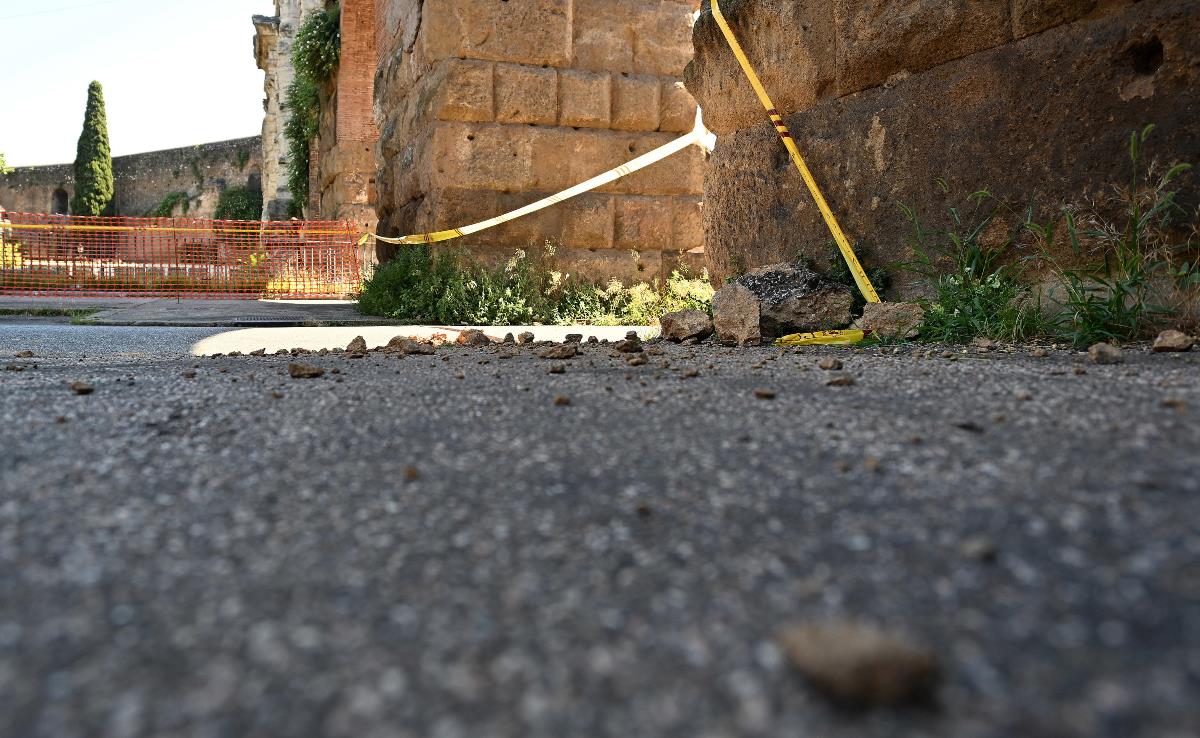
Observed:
{"x":603,"y":265}
{"x":678,"y":108}
{"x":632,"y":36}
{"x":585,"y":99}
{"x":636,"y":102}
{"x":1034,"y":16}
{"x":465,"y":91}
{"x":1012,"y":112}
{"x":643,"y":223}
{"x":687,"y":223}
{"x":526,"y":31}
{"x":770,"y":31}
{"x":881,"y":38}
{"x":482,"y":156}
{"x":587,"y":222}
{"x":526,"y":94}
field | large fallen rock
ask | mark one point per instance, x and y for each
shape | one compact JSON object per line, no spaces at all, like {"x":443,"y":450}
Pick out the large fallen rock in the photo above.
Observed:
{"x":684,"y":324}
{"x":1173,"y":341}
{"x":777,"y":300}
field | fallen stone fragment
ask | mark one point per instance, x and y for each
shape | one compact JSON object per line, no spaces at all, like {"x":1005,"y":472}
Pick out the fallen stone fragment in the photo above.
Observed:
{"x":840,"y":380}
{"x":980,"y":548}
{"x":632,"y":336}
{"x":1039,"y":353}
{"x":636,"y":360}
{"x":776,"y":300}
{"x":259,"y":352}
{"x":686,"y":324}
{"x":411,"y":474}
{"x":970,"y":426}
{"x":629,"y":346}
{"x":508,"y":352}
{"x":281,"y":352}
{"x":557,"y":369}
{"x":892,"y":320}
{"x":690,"y":373}
{"x":560,"y":351}
{"x":409,"y":346}
{"x":189,"y":374}
{"x":1105,"y":353}
{"x":985,"y":344}
{"x":592,"y":339}
{"x":357,"y":346}
{"x":526,"y":337}
{"x":764,"y":394}
{"x":830,"y":364}
{"x":574,"y":338}
{"x":26,"y":354}
{"x":1168,"y":341}
{"x":509,"y":338}
{"x":562,"y":401}
{"x":13,"y":368}
{"x":305,"y":371}
{"x":81,"y":388}
{"x":860,"y":665}
{"x":474,"y":337}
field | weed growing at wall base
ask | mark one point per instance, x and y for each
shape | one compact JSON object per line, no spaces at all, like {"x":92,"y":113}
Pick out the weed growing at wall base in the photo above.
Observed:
{"x":441,"y":286}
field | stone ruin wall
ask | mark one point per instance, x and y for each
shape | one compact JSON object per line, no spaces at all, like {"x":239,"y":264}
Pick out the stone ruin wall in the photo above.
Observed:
{"x":487,"y":105}
{"x":342,"y":171}
{"x":1032,"y":99}
{"x":143,"y":180}
{"x":273,"y":40}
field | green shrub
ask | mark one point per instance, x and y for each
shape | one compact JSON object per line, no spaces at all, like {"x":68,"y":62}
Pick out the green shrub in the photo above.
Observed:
{"x":94,"y":187}
{"x":4,"y":167}
{"x":315,"y":57}
{"x":240,"y":203}
{"x":976,"y":292}
{"x":1137,"y":275}
{"x":440,"y":286}
{"x":166,"y":207}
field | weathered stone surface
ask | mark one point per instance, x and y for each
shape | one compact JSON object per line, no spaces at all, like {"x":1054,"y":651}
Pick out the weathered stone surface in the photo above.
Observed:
{"x":1173,"y":341}
{"x":1011,"y":111}
{"x":777,"y":300}
{"x":892,"y":319}
{"x":684,"y":324}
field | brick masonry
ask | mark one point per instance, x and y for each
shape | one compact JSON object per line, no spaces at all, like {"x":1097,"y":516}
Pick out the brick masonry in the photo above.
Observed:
{"x":486,"y":105}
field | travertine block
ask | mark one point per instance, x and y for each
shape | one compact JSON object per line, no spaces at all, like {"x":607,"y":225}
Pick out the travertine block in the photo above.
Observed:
{"x":643,"y":223}
{"x":587,"y":221}
{"x":525,"y":31}
{"x":636,"y":102}
{"x":465,"y":91}
{"x":526,"y":94}
{"x":585,"y":98}
{"x":678,"y":108}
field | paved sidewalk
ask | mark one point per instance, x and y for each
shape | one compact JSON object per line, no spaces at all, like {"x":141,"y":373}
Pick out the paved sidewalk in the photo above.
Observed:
{"x":201,"y":313}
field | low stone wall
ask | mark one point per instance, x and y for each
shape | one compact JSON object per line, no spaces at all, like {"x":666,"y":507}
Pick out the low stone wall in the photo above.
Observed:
{"x":487,"y":106}
{"x":143,"y":180}
{"x":1032,"y":99}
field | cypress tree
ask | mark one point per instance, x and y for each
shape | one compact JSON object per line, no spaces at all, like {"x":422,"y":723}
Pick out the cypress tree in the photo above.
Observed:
{"x":93,"y":159}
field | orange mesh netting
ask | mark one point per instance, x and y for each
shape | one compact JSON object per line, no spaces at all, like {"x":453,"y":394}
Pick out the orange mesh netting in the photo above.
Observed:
{"x":65,"y":255}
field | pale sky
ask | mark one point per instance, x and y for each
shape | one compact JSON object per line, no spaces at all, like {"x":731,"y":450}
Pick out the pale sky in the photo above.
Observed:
{"x":175,"y":73}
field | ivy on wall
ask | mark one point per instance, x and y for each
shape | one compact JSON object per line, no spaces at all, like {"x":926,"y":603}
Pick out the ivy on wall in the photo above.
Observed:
{"x":315,"y":57}
{"x":240,"y":203}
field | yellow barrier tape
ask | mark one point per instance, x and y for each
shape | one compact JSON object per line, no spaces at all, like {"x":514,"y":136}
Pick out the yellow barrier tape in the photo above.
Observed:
{"x":860,"y":276}
{"x":641,"y":162}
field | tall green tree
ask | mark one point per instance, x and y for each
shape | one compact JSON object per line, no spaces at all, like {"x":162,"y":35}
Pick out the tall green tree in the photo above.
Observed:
{"x":93,"y":159}
{"x":4,"y":168}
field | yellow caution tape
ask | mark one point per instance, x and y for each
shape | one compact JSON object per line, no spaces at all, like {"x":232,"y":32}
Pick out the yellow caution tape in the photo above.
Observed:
{"x":641,"y":162}
{"x":823,"y":338}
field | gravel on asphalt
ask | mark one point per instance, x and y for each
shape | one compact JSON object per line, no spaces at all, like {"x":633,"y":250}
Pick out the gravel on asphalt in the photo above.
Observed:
{"x":466,"y":545}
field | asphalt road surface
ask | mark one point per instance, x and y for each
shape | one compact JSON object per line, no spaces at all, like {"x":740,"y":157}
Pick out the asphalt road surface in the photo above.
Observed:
{"x":466,"y":545}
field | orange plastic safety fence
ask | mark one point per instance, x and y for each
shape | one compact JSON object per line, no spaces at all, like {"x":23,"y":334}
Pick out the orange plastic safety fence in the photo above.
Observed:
{"x":71,"y":255}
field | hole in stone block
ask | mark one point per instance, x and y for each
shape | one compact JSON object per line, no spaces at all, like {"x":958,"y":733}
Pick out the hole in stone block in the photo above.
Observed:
{"x":1145,"y":56}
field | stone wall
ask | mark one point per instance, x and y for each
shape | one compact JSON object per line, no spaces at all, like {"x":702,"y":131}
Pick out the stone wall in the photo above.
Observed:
{"x":342,"y":184}
{"x":487,"y":105}
{"x":273,"y":40}
{"x":144,"y":180}
{"x":1031,"y":99}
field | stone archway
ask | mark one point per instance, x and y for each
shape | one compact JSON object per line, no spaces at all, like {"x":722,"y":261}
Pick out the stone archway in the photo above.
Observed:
{"x":60,"y":202}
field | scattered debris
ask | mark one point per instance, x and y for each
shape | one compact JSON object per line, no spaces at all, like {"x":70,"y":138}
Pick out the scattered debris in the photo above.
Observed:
{"x":81,"y":388}
{"x":526,"y":337}
{"x":636,"y":360}
{"x":892,"y":320}
{"x":561,"y":400}
{"x":984,"y":344}
{"x":560,"y":351}
{"x":411,"y":474}
{"x":574,"y":338}
{"x":1039,"y":353}
{"x":509,"y":338}
{"x":408,"y":346}
{"x":683,"y":325}
{"x":859,"y":664}
{"x":1106,"y":353}
{"x":764,"y":394}
{"x":305,"y":371}
{"x":557,"y":369}
{"x":830,"y":364}
{"x":357,"y":346}
{"x":690,"y":373}
{"x":629,"y":346}
{"x":1173,"y":341}
{"x":840,"y":380}
{"x":970,"y":426}
{"x":26,"y":354}
{"x":189,"y":374}
{"x":776,"y":300}
{"x":473,"y":337}
{"x":979,"y":548}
